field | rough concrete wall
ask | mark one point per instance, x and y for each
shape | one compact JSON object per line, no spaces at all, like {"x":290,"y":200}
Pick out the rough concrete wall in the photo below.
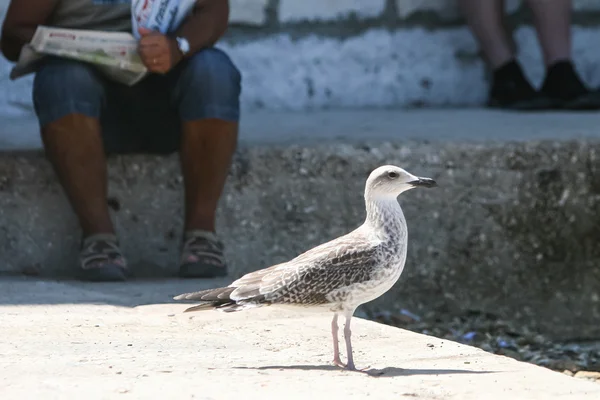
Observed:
{"x":512,"y":229}
{"x":352,"y":53}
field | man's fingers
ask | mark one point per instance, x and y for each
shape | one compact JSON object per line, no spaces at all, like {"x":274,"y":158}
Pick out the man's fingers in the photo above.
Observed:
{"x":160,"y":64}
{"x":152,"y":62}
{"x":144,"y":31}
{"x":155,"y":53}
{"x":152,"y":51}
{"x":151,"y":41}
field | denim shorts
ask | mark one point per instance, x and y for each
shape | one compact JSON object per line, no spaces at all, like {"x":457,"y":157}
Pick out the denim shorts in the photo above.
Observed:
{"x":146,"y":117}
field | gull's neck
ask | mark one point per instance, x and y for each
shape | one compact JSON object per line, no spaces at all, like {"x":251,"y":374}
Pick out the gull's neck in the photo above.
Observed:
{"x":385,"y":216}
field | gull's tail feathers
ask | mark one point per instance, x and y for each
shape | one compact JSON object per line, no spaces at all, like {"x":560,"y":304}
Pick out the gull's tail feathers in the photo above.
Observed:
{"x":219,"y":299}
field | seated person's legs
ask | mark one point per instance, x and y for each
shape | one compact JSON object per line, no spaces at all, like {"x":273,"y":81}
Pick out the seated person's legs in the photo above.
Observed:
{"x":79,"y":111}
{"x":562,"y":87}
{"x":68,"y":98}
{"x":562,"y":84}
{"x":485,"y":19}
{"x":509,"y":88}
{"x":205,"y":90}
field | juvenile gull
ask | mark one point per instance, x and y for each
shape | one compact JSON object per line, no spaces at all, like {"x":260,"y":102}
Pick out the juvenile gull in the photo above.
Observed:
{"x":337,"y":276}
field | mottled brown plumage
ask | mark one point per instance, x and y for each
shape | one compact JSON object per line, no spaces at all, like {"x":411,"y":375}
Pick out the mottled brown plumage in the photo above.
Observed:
{"x":307,"y":280}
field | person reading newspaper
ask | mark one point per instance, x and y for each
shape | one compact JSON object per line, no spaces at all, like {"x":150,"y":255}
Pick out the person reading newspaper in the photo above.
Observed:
{"x":188,"y":103}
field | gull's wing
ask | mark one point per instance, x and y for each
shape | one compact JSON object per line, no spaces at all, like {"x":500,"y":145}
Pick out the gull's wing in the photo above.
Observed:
{"x":311,"y":278}
{"x":313,"y":275}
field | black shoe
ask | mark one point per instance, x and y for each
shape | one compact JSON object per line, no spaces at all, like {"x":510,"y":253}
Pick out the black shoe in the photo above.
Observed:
{"x":202,"y":256}
{"x":563,"y":85}
{"x":511,"y":90}
{"x":100,"y":259}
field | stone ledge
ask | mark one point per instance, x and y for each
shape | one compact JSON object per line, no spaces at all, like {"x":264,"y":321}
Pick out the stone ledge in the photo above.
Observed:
{"x":449,"y":9}
{"x":252,"y":12}
{"x":317,"y":10}
{"x":129,"y":340}
{"x":445,"y":10}
{"x":248,"y":12}
{"x":513,"y":228}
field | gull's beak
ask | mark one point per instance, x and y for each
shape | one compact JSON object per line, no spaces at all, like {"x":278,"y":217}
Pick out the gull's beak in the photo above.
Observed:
{"x":423,"y":182}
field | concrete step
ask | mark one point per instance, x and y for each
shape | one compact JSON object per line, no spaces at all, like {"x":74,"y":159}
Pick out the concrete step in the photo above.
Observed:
{"x":105,"y":341}
{"x":513,"y":228}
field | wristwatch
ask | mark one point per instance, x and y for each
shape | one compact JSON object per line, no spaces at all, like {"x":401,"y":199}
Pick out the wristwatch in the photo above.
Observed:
{"x":183,"y":45}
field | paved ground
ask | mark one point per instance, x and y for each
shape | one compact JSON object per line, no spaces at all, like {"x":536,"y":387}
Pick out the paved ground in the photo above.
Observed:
{"x":102,"y":341}
{"x":273,"y":127}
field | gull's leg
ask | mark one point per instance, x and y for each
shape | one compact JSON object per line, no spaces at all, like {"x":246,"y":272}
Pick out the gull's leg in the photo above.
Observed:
{"x":347,"y":334}
{"x":336,"y":347}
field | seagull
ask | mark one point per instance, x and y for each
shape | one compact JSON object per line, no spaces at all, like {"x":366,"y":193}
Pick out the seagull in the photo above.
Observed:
{"x":336,"y":276}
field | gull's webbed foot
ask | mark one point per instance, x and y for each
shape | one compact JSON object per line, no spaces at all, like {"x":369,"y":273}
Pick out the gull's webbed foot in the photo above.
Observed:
{"x":338,"y":362}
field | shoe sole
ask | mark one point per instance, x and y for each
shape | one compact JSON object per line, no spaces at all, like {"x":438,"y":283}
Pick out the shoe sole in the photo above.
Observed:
{"x":588,"y":102}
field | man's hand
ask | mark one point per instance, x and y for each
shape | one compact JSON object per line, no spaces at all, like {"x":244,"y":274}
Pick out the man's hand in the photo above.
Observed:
{"x":158,"y":52}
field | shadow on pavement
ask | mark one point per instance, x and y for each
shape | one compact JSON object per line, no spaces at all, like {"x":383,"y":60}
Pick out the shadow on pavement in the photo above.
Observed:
{"x":383,"y":372}
{"x":21,"y":290}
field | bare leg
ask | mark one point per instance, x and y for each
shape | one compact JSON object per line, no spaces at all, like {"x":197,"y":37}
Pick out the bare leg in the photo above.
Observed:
{"x":206,"y":151}
{"x":347,"y":334}
{"x":553,"y":24}
{"x":68,"y":97}
{"x":485,"y":18}
{"x":509,"y":87}
{"x":73,"y":144}
{"x":562,"y":82}
{"x":336,"y":348}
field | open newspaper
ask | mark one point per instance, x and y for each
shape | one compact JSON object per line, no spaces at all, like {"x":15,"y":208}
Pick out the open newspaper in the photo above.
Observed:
{"x":113,"y":53}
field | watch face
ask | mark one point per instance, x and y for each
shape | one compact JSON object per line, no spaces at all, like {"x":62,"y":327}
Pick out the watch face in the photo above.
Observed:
{"x":184,"y":46}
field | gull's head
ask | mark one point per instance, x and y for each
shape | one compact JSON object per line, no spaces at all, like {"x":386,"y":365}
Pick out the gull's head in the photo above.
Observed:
{"x":389,"y":181}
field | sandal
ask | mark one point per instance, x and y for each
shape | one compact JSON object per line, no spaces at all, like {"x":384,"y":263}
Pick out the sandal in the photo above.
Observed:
{"x":100,"y":259}
{"x":202,"y":256}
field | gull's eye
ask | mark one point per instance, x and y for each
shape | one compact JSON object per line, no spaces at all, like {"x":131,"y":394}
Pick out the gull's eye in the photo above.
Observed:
{"x":393,"y":174}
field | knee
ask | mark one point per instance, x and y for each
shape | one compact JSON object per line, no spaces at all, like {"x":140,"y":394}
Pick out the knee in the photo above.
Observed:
{"x":63,"y":87}
{"x":210,"y":73}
